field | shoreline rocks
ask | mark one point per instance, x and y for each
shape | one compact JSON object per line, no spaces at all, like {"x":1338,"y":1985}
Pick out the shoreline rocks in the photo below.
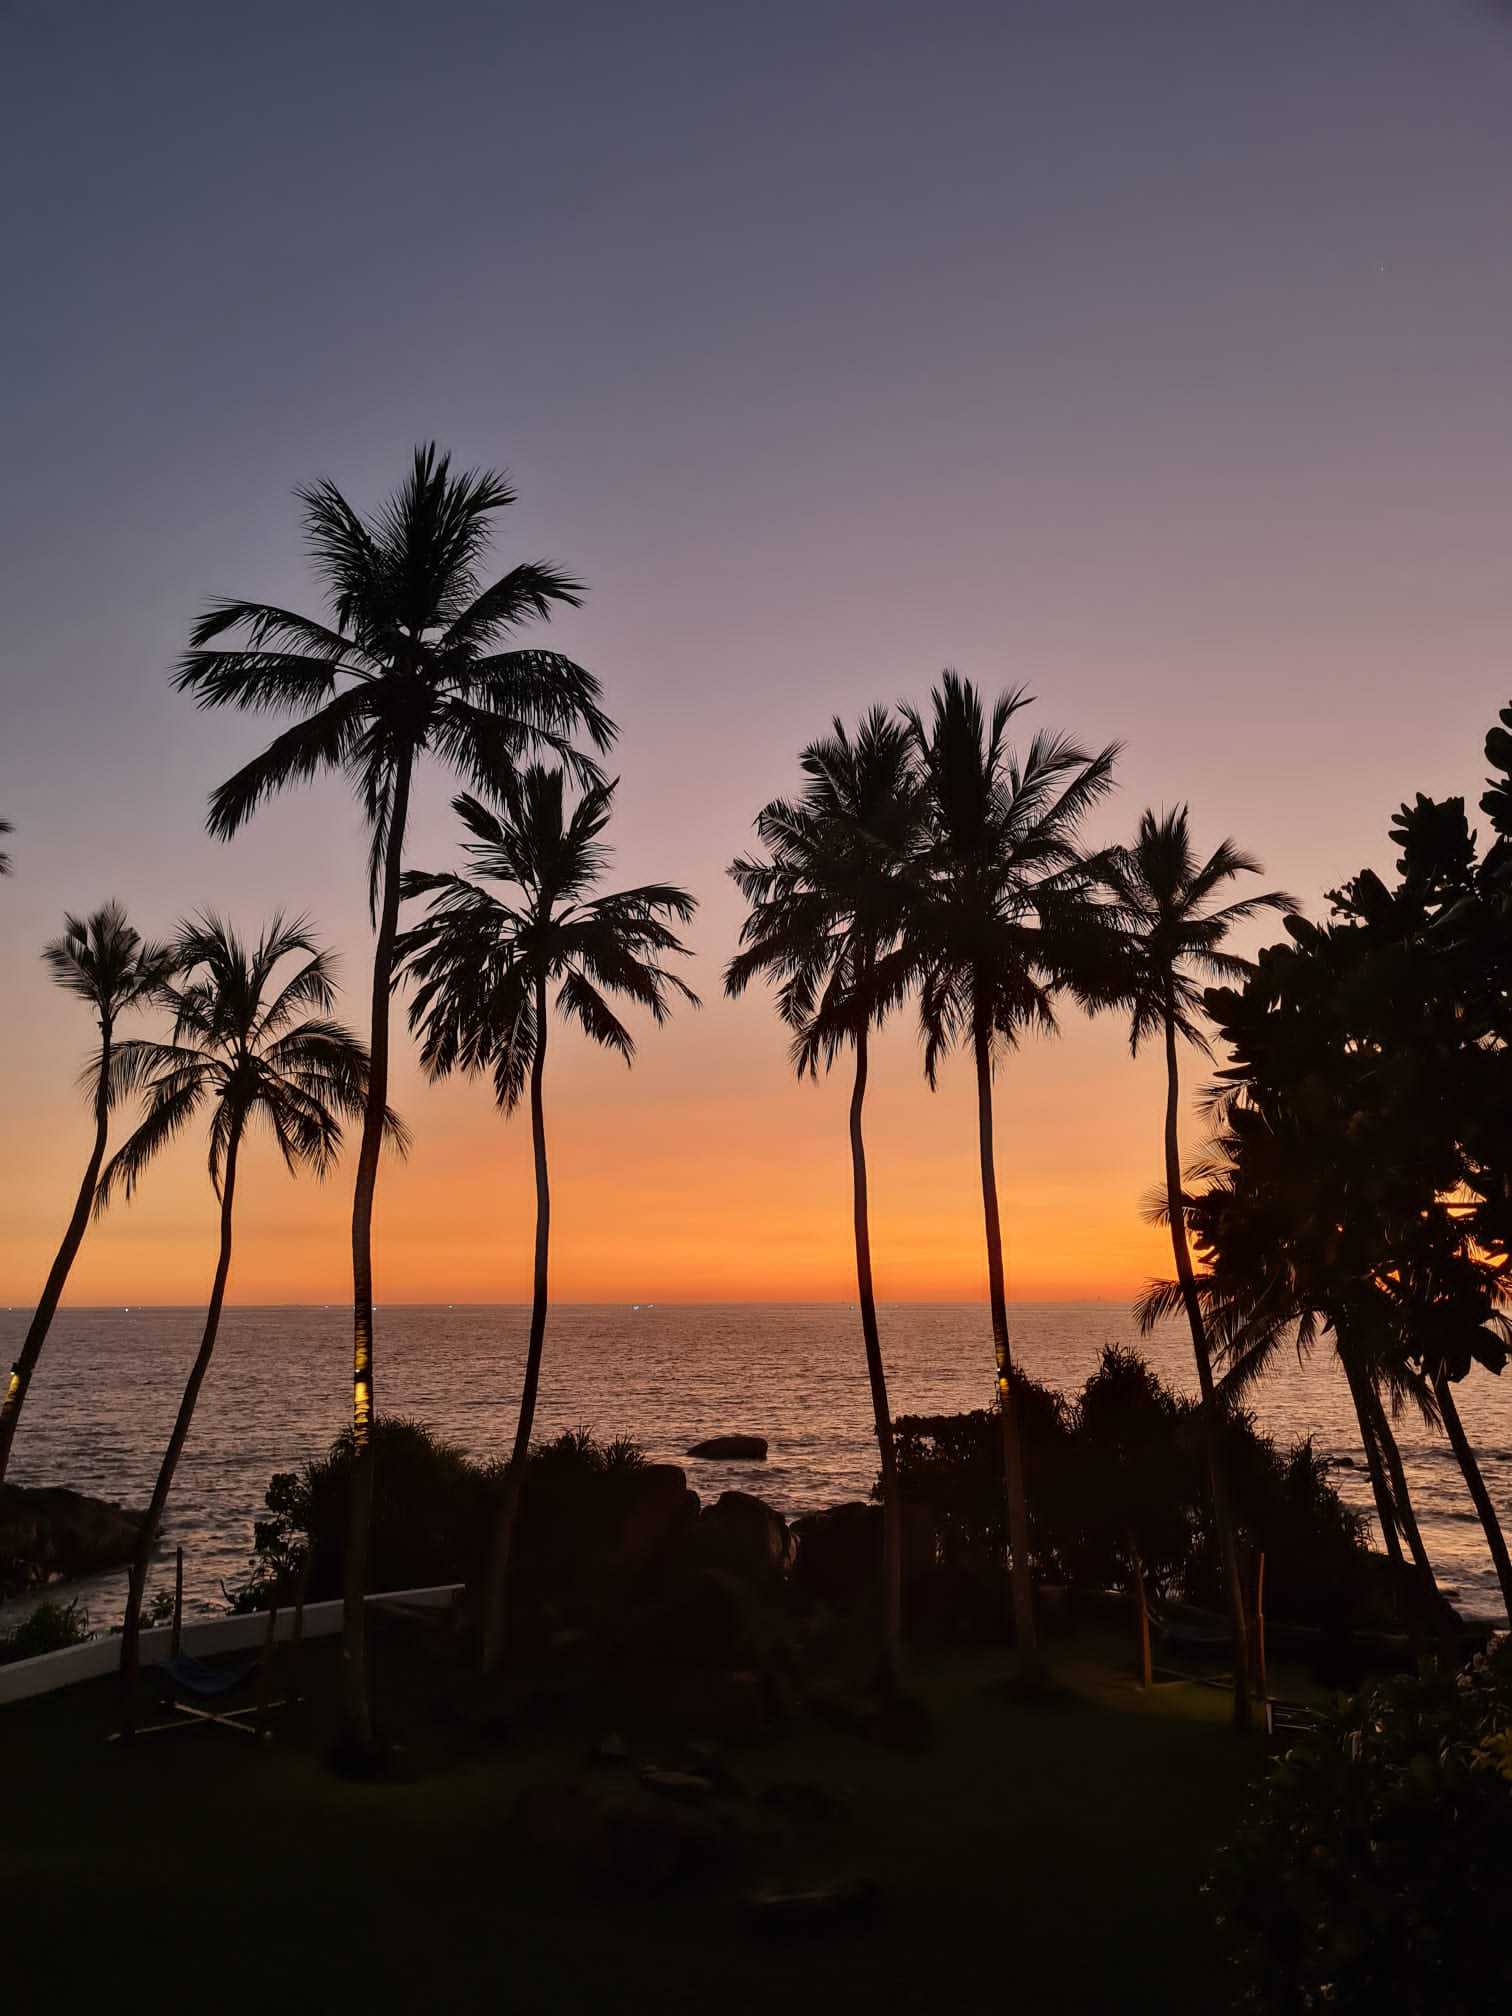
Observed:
{"x":50,"y":1534}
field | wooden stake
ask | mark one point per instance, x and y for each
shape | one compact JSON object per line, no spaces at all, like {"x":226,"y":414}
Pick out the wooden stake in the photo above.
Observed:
{"x":177,"y":1641}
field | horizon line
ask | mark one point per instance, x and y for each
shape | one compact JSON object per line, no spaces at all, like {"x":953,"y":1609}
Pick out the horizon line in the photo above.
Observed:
{"x":617,"y":1302}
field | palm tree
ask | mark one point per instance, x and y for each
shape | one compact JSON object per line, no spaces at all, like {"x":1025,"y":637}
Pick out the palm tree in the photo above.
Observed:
{"x":103,"y":961}
{"x":1168,"y":933}
{"x":483,"y":970}
{"x":998,"y":927}
{"x":827,"y":910}
{"x":410,"y":664}
{"x":5,"y":860}
{"x":238,"y":1050}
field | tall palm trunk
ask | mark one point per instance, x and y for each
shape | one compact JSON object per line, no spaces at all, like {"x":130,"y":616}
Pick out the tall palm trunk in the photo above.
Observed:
{"x":496,"y":1619}
{"x":73,"y":1238}
{"x":359,"y":1705}
{"x":1391,"y":1515}
{"x":1013,"y":1454}
{"x":1470,"y":1470}
{"x":892,"y":1506}
{"x":1436,"y":1613}
{"x":1218,"y":1481}
{"x":148,"y":1533}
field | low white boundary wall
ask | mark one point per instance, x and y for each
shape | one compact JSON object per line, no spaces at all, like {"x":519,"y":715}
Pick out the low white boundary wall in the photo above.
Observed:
{"x":52,"y":1670}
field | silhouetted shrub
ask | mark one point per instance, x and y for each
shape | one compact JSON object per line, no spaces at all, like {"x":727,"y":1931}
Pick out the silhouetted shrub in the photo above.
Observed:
{"x":1124,"y":1462}
{"x":1371,"y":1872}
{"x":430,"y":1516}
{"x":434,"y":1512}
{"x":51,"y":1627}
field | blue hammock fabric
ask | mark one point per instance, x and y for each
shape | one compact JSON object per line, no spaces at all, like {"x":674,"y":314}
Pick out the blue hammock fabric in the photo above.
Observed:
{"x":195,"y":1677}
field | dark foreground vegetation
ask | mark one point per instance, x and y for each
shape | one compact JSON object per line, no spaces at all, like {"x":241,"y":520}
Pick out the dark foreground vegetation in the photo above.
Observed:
{"x":508,"y":1868}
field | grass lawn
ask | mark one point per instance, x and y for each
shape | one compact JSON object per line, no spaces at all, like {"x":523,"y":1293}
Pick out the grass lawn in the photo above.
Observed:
{"x":1029,"y":1857}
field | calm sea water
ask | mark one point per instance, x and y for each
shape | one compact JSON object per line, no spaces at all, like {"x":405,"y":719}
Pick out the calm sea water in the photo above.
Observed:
{"x":105,"y":1395}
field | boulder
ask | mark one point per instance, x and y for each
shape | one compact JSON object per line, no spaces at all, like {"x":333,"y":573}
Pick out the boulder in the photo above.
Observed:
{"x":624,"y":1835}
{"x":658,"y":1509}
{"x":732,"y":1449}
{"x":744,"y":1537}
{"x":803,"y":1911}
{"x":51,"y":1532}
{"x":839,"y":1553}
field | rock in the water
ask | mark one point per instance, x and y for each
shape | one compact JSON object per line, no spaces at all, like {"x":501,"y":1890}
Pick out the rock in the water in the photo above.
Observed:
{"x":50,"y":1532}
{"x":732,"y":1449}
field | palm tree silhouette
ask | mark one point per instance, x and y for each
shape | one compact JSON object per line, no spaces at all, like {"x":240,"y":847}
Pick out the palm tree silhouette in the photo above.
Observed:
{"x":105,"y":962}
{"x":245,"y":1050}
{"x":826,"y":916}
{"x":1167,"y":933}
{"x":483,"y":969}
{"x":413,"y":665}
{"x":5,"y":860}
{"x":997,"y":928}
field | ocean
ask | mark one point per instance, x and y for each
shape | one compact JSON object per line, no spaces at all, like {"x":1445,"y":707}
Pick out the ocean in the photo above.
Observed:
{"x":104,"y":1397}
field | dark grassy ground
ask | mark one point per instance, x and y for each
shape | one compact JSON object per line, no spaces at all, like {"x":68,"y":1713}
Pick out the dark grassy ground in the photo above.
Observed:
{"x":1029,"y":1857}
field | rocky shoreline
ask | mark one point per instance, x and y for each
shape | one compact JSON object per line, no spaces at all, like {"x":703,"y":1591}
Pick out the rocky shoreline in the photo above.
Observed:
{"x":50,"y":1534}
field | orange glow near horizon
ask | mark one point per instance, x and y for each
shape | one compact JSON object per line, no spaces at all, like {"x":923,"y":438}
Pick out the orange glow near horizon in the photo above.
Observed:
{"x":664,"y":1192}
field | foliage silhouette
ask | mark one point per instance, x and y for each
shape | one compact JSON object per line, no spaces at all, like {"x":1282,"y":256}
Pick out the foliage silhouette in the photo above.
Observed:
{"x":103,"y":961}
{"x":828,"y":906}
{"x":411,"y":664}
{"x":483,"y":970}
{"x":1167,"y":931}
{"x":250,"y":1042}
{"x":998,"y":925}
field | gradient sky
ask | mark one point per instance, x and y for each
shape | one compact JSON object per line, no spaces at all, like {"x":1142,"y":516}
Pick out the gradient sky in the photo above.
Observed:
{"x":1154,"y":356}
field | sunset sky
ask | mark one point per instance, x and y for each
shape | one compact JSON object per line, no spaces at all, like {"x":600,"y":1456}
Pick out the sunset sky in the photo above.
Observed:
{"x":1154,"y":357}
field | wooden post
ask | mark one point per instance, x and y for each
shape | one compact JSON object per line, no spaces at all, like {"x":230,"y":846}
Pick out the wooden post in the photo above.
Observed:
{"x":296,"y":1636}
{"x":176,"y":1643}
{"x":1142,"y":1611}
{"x":265,"y":1666}
{"x":1261,"y":1682}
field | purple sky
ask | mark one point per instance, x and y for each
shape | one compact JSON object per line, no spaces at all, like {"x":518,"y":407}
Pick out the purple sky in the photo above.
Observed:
{"x":1156,"y":356}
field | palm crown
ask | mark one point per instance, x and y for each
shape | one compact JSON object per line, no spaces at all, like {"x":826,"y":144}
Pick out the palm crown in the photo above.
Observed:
{"x":1005,"y":891}
{"x":107,"y":963}
{"x":413,"y":661}
{"x":481,"y":964}
{"x":1169,"y":934}
{"x":248,"y":1049}
{"x":828,"y":906}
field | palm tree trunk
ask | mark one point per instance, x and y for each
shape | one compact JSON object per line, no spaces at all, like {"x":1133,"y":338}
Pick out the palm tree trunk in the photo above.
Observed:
{"x":892,"y":1506}
{"x":1218,"y":1482}
{"x":1470,"y":1470}
{"x":1380,"y":1487}
{"x":1435,"y":1613}
{"x":1013,"y":1455}
{"x":496,"y":1618}
{"x":1476,"y":1486}
{"x":1375,"y":1469}
{"x":359,"y":1705}
{"x":52,"y":1291}
{"x":148,"y":1533}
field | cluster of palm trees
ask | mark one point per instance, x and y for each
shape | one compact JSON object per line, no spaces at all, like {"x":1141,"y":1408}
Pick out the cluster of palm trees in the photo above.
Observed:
{"x":925,"y":859}
{"x":418,"y":659}
{"x":1358,"y":1184}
